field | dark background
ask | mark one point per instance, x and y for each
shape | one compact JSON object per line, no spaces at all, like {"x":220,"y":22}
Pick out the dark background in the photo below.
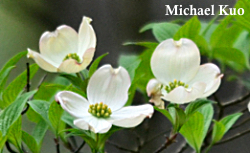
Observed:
{"x":22,"y":22}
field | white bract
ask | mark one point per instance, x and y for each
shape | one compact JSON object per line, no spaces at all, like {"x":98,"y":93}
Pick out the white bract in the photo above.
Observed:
{"x":179,"y":76}
{"x":65,"y":50}
{"x":107,"y":93}
{"x":248,"y":106}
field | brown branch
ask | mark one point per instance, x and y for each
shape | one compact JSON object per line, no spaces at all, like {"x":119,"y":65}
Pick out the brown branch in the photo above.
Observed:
{"x":80,"y":147}
{"x":168,"y":142}
{"x":27,"y":87}
{"x":221,"y":108}
{"x":119,"y":147}
{"x":56,"y":140}
{"x":7,"y":144}
{"x":183,"y":147}
{"x":239,"y":100}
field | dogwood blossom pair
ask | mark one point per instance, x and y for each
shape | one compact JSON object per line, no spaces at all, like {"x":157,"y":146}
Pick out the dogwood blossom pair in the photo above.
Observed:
{"x":179,"y":76}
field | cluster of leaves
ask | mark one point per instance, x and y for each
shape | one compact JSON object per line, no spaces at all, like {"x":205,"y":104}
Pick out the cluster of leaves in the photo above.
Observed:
{"x":226,"y":42}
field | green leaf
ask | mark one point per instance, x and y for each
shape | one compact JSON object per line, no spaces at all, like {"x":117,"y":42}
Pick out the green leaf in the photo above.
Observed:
{"x":178,"y":116}
{"x":16,"y":86}
{"x":40,"y":107}
{"x":76,"y":81}
{"x":95,"y":64}
{"x":162,"y":31}
{"x":191,"y":29}
{"x":242,"y":44}
{"x":39,"y":132}
{"x":225,"y":34}
{"x":229,"y":120}
{"x":192,"y":131}
{"x":147,"y":27}
{"x":4,"y":76}
{"x":143,"y":72}
{"x":130,"y":63}
{"x":243,"y":20}
{"x":68,"y":119}
{"x":208,"y":112}
{"x":15,"y":134}
{"x":218,"y":132}
{"x":227,"y":55}
{"x":208,"y":28}
{"x":30,"y":142}
{"x":220,"y":128}
{"x":10,"y":114}
{"x":55,"y":114}
{"x":165,"y":113}
{"x":196,"y":105}
{"x":88,"y":136}
{"x":195,"y":128}
{"x":149,"y":45}
{"x":12,"y":61}
{"x":2,"y":141}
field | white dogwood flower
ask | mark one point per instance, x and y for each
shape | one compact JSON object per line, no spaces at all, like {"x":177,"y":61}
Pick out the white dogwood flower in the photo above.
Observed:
{"x":107,"y":93}
{"x":65,"y":50}
{"x":179,"y":76}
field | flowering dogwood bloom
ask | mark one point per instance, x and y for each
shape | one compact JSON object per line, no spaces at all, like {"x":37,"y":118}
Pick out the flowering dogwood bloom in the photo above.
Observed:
{"x":107,"y":93}
{"x":65,"y":50}
{"x":179,"y":76}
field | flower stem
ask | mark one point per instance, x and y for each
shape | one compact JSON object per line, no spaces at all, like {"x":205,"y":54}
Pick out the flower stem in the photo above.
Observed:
{"x":57,"y":144}
{"x":79,"y":75}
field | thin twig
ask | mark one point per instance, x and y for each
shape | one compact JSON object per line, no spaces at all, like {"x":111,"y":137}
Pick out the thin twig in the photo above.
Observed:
{"x":7,"y":144}
{"x":80,"y":147}
{"x":39,"y":84}
{"x":233,"y":137}
{"x":183,"y":147}
{"x":157,"y":135}
{"x":56,"y":140}
{"x":241,"y":99}
{"x":221,"y":108}
{"x":28,"y":77}
{"x":168,"y":142}
{"x":119,"y":147}
{"x":27,"y":88}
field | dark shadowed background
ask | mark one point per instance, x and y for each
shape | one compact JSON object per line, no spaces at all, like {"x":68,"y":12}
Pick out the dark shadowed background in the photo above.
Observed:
{"x":22,"y":22}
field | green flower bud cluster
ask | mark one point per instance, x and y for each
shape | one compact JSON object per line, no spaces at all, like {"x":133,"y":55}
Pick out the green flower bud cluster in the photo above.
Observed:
{"x":172,"y":85}
{"x":72,"y":56}
{"x":100,"y":110}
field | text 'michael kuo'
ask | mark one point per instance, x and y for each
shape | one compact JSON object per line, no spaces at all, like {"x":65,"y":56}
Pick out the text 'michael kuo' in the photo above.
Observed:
{"x":223,"y":10}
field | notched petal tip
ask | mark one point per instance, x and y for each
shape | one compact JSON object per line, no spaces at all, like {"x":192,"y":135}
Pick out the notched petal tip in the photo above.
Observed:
{"x":30,"y":54}
{"x":178,"y":43}
{"x":88,"y":19}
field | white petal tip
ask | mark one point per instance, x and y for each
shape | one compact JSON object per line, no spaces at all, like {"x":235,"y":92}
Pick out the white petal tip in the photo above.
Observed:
{"x":88,"y":19}
{"x":29,"y":54}
{"x":178,"y":43}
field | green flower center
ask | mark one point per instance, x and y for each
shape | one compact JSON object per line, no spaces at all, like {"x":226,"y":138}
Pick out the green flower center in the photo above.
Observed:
{"x":72,"y":56}
{"x":100,"y":110}
{"x":172,"y":85}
